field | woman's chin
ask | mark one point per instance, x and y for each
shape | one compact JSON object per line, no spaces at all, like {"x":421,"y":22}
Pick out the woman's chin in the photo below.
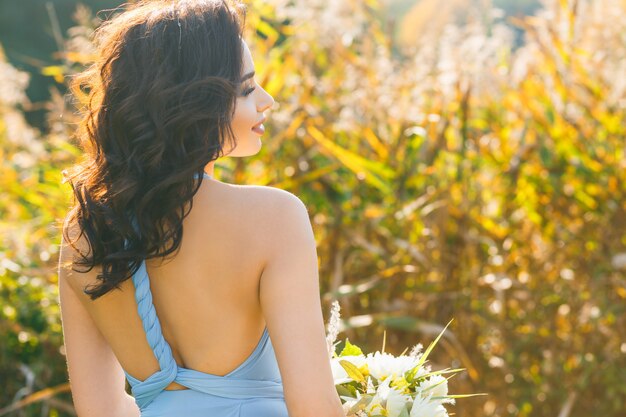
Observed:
{"x":258,"y":145}
{"x":253,"y":148}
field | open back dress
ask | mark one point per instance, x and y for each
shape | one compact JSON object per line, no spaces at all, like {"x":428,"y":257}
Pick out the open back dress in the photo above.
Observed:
{"x":253,"y":389}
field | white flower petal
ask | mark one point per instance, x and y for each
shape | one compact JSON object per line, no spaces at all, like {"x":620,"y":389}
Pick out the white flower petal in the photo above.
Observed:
{"x":425,"y":407}
{"x":383,"y":365}
{"x":436,"y":385}
{"x":395,"y":402}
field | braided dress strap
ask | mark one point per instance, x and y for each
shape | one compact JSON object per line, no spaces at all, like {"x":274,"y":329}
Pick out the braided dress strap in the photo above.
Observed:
{"x":145,"y":391}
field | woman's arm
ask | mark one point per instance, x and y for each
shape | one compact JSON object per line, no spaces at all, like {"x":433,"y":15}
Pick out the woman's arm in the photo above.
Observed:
{"x":290,"y":299}
{"x":96,"y":377}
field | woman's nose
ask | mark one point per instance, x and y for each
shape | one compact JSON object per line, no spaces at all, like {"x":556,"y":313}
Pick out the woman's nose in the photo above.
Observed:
{"x":267,"y":101}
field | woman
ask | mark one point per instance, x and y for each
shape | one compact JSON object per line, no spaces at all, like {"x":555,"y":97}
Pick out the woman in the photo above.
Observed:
{"x":224,"y":319}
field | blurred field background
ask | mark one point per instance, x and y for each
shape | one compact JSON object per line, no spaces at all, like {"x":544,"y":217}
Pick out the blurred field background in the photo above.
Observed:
{"x":460,"y":159}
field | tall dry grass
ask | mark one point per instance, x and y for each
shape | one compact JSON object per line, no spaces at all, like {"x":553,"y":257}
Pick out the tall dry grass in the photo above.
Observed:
{"x":452,"y":175}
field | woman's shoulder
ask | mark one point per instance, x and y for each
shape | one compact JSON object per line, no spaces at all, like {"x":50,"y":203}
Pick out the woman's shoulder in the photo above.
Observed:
{"x":282,"y":205}
{"x":264,"y":208}
{"x":265,"y":196}
{"x":251,"y":188}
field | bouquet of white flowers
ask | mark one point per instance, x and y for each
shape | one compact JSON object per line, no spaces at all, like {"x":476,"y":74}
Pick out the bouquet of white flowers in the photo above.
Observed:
{"x":383,"y":385}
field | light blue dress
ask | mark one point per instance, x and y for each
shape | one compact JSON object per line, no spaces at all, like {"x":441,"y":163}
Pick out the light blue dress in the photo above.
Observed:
{"x":253,"y":389}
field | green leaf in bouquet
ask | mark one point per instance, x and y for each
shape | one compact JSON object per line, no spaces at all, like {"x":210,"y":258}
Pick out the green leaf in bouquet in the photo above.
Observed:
{"x":410,"y":374}
{"x":350,"y":350}
{"x":352,"y":371}
{"x":437,"y":384}
{"x":445,"y":371}
{"x":346,"y":390}
{"x":441,"y":372}
{"x":459,"y":396}
{"x":361,"y":404}
{"x":354,"y":387}
{"x":432,"y":346}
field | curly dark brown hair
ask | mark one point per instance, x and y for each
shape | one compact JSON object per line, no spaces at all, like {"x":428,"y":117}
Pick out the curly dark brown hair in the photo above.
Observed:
{"x":157,"y":104}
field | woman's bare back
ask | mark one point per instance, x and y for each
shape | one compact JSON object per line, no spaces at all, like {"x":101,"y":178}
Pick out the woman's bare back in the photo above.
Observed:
{"x":206,"y":296}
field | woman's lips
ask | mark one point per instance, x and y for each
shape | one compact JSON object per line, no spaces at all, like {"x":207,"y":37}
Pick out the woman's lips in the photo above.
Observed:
{"x":260,"y":129}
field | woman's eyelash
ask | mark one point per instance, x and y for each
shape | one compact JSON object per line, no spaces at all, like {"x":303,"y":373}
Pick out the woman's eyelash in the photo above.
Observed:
{"x":248,"y":91}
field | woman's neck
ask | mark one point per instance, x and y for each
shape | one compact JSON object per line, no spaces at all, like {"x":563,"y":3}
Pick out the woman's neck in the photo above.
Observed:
{"x":208,"y":169}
